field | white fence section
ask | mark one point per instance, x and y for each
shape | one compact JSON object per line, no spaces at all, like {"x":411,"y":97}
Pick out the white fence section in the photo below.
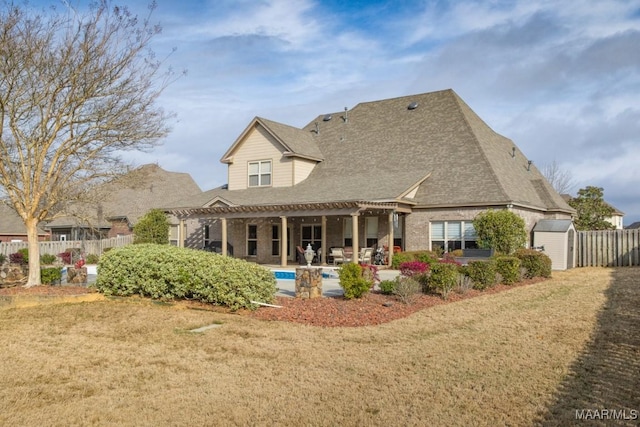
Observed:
{"x":87,"y":247}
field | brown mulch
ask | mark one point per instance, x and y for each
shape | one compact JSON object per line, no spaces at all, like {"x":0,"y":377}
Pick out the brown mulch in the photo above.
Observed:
{"x":373,"y":308}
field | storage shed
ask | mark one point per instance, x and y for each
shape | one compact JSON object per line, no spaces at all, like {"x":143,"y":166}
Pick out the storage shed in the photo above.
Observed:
{"x":558,"y":238}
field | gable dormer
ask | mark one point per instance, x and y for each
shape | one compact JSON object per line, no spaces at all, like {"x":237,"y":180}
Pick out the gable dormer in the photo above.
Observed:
{"x":270,"y":154}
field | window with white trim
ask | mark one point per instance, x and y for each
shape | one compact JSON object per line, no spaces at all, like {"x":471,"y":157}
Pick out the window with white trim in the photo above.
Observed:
{"x":452,"y":235}
{"x":260,"y":173}
{"x":371,"y":229}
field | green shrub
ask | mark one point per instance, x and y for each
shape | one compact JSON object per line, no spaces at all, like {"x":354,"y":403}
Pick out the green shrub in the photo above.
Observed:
{"x":537,"y":264}
{"x":153,"y":227}
{"x":49,"y":276}
{"x":169,"y":272}
{"x":399,"y":258}
{"x":509,"y":269}
{"x":47,"y":259}
{"x":482,"y":273}
{"x":3,"y":258}
{"x":92,"y":259}
{"x":352,"y":281}
{"x":502,"y":230}
{"x":428,"y":257}
{"x":387,"y":286}
{"x":443,"y":278}
{"x":407,"y":288}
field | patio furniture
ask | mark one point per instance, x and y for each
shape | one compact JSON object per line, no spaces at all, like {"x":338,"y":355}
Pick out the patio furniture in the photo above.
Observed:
{"x":365,"y":255}
{"x":348,"y":253}
{"x":301,"y":259}
{"x":337,"y":255}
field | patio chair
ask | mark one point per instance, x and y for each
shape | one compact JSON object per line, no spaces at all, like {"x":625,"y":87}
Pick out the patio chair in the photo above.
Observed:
{"x":337,"y":255}
{"x":365,"y":255}
{"x":301,"y":259}
{"x":348,"y":253}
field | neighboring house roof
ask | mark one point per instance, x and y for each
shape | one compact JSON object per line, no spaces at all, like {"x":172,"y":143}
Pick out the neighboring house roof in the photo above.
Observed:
{"x":11,"y":224}
{"x":633,"y":226}
{"x":133,"y":195}
{"x":553,"y":225}
{"x":440,"y":153}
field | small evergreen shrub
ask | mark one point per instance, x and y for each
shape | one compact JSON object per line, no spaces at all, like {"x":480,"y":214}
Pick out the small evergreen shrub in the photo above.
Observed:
{"x":3,"y":258}
{"x":443,"y":278}
{"x":47,"y":259}
{"x":428,"y":257}
{"x":49,"y":276}
{"x":508,"y":267}
{"x":537,"y":264}
{"x":400,"y":258}
{"x":92,"y":259}
{"x":352,"y":281}
{"x":407,"y":288}
{"x":169,"y":272}
{"x":482,"y":273}
{"x":387,"y":287}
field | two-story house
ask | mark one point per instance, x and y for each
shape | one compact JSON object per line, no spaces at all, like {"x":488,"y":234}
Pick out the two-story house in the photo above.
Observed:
{"x":412,"y":172}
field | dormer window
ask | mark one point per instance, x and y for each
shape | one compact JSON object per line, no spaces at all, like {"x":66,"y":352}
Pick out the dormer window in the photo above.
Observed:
{"x":260,"y":173}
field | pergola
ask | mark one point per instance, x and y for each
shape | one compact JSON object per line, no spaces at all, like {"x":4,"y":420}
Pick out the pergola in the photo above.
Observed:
{"x":284,"y":211}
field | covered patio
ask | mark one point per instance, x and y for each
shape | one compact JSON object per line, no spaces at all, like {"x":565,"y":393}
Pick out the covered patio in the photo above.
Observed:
{"x":270,"y":234}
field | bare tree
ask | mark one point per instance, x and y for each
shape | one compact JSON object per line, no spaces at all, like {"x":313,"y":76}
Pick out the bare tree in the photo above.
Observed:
{"x":561,"y":180}
{"x":77,"y":92}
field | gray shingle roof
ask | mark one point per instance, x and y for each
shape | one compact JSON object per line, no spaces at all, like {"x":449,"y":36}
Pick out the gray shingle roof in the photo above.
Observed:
{"x":378,"y":150}
{"x":553,"y":225}
{"x":134,"y":194}
{"x":11,"y":223}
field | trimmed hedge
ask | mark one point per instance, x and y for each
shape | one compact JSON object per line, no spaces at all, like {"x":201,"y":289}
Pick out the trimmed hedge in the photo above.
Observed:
{"x":508,"y":267}
{"x":443,"y":278}
{"x":169,"y":272}
{"x":537,"y":264}
{"x":482,"y":273}
{"x":353,"y":281}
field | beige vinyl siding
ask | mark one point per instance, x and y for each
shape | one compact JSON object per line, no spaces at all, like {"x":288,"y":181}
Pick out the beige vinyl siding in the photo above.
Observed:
{"x":301,"y":169}
{"x":555,"y":247}
{"x":259,"y":146}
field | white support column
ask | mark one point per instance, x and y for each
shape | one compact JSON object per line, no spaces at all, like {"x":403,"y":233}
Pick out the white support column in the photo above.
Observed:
{"x":284,"y":241}
{"x":181,"y":234}
{"x":223,"y":225}
{"x":323,"y":241}
{"x":354,"y":233}
{"x":390,"y":234}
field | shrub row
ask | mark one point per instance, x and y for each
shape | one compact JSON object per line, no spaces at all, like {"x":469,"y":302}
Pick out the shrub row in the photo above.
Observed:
{"x":445,"y":275}
{"x":168,"y":272}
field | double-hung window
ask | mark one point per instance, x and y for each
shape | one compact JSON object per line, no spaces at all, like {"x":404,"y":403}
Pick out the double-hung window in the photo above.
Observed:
{"x":260,"y":173}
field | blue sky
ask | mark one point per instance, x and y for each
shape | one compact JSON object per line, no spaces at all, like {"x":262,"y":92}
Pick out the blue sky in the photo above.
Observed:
{"x":560,"y":78}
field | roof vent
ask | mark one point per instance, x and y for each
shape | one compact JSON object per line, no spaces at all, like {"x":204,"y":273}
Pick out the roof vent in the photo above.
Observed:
{"x":413,"y":106}
{"x":327,"y":117}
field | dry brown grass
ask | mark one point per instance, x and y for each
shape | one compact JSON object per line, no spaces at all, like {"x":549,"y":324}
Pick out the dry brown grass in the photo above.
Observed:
{"x":520,"y":357}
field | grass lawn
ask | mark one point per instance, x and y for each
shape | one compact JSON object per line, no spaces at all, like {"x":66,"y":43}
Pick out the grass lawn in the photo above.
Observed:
{"x":528,"y":356}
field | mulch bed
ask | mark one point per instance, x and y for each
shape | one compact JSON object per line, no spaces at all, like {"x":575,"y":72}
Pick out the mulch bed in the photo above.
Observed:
{"x":373,"y":308}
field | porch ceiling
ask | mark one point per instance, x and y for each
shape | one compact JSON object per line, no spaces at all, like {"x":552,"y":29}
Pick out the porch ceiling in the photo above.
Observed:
{"x":296,"y":209}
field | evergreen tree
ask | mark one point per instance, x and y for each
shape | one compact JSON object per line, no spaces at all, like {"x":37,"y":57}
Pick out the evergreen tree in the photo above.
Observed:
{"x":592,"y":210}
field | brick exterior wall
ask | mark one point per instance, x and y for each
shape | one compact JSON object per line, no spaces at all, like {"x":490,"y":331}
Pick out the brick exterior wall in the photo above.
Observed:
{"x":119,"y":228}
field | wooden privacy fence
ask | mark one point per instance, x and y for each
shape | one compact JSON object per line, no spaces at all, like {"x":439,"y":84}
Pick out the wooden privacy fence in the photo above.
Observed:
{"x":610,"y":248}
{"x":96,"y":247}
